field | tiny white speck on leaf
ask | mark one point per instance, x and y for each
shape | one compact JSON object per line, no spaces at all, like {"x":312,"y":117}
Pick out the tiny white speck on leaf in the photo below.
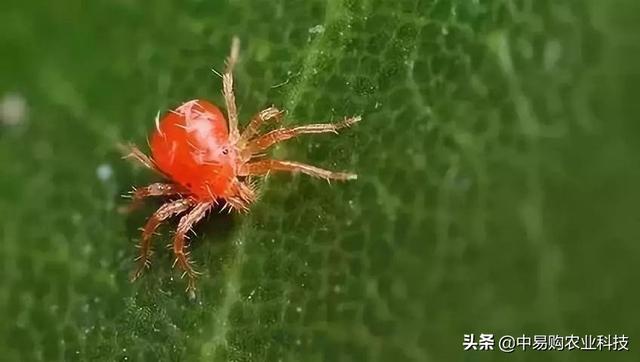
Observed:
{"x":104,"y":172}
{"x":13,"y":109}
{"x":318,"y":29}
{"x":251,"y":294}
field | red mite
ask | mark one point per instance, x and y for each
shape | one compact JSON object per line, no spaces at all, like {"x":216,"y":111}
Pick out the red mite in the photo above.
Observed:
{"x":206,"y":161}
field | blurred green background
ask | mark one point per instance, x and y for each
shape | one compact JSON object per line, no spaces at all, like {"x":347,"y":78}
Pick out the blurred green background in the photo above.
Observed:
{"x":498,"y":189}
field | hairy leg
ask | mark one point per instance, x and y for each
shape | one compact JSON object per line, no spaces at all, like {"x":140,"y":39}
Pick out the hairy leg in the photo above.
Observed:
{"x":256,"y":122}
{"x":227,"y":90}
{"x":263,"y":142}
{"x":132,"y":151}
{"x":186,"y":223}
{"x":164,"y":212}
{"x":265,"y":166}
{"x":155,"y":189}
{"x":241,"y":194}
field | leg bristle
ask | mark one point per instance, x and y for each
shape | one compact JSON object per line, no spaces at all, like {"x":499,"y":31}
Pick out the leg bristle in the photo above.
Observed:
{"x":348,"y":122}
{"x":216,"y":72}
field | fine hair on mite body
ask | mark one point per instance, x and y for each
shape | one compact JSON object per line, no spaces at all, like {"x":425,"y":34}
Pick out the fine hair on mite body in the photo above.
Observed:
{"x":206,"y":160}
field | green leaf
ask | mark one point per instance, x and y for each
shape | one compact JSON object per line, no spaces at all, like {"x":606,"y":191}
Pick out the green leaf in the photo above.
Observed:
{"x":497,"y":189}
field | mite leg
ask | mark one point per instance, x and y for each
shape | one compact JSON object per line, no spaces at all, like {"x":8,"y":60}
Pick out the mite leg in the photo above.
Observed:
{"x":265,"y":166}
{"x":132,"y":151}
{"x":227,"y":90}
{"x":257,"y":122}
{"x":186,"y":223}
{"x":164,"y":212}
{"x":155,"y":189}
{"x":240,"y":196}
{"x":263,"y":142}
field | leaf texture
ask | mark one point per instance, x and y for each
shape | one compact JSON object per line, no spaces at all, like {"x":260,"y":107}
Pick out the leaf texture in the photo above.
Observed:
{"x":497,"y":189}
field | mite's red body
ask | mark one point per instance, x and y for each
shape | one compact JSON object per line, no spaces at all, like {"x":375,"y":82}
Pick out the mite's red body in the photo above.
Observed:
{"x":191,"y":146}
{"x":206,"y":161}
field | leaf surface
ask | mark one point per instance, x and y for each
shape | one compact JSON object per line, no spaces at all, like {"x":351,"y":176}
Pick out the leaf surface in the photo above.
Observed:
{"x":497,"y":189}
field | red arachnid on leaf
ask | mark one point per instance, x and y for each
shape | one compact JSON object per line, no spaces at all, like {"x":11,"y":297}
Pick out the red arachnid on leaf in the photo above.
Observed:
{"x":206,"y":161}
